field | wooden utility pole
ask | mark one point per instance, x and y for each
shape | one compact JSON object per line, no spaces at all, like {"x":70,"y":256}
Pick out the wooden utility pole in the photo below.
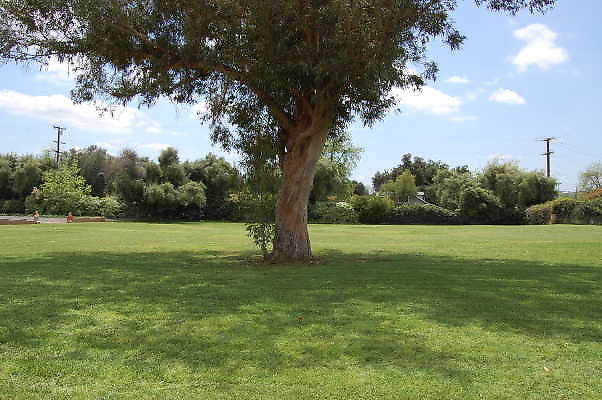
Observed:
{"x":59,"y":132}
{"x":548,"y":153}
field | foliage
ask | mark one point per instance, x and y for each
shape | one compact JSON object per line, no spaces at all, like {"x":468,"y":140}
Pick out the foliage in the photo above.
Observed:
{"x":539,"y":214}
{"x":169,"y":156}
{"x":63,"y":191}
{"x":220,"y":179}
{"x":160,"y":200}
{"x":332,"y":212}
{"x":371,"y":209}
{"x":423,"y":171}
{"x":26,"y":178}
{"x":596,"y":194}
{"x":359,"y":188}
{"x":588,"y":212}
{"x":12,"y":207}
{"x":563,"y":208}
{"x":342,"y":154}
{"x":479,"y":206}
{"x":449,"y":186}
{"x":263,"y":235}
{"x":591,"y":179}
{"x":427,"y":214}
{"x":174,"y":174}
{"x":401,"y":189}
{"x":328,"y":182}
{"x":152,"y":173}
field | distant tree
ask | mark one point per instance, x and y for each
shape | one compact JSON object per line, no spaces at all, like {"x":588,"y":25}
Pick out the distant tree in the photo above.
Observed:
{"x":479,"y":205}
{"x":26,"y":177}
{"x":424,"y":171}
{"x":6,"y":175}
{"x":169,"y":156}
{"x":359,"y":188}
{"x":152,"y":173}
{"x":93,"y":166}
{"x":298,"y":71}
{"x":449,"y":186}
{"x":174,"y":174}
{"x":63,"y":190}
{"x":220,"y":179}
{"x":536,"y":188}
{"x":342,"y":154}
{"x":591,"y":179}
{"x":329,"y":182}
{"x":402,"y":188}
{"x":128,"y":163}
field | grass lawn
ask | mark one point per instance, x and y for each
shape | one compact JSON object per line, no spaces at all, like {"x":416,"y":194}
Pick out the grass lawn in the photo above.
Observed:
{"x":185,"y":311}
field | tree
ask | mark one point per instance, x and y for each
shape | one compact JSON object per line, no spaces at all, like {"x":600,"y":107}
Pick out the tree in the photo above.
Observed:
{"x":220,"y":179}
{"x":591,"y":179}
{"x":402,"y":188}
{"x":328,"y":182}
{"x":26,"y":178}
{"x":359,"y":188}
{"x":423,"y":171}
{"x":169,"y":156}
{"x":295,"y":72}
{"x":63,"y":190}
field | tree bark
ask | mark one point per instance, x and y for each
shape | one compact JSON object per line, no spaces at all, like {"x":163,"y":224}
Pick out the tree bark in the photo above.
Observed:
{"x":298,"y":170}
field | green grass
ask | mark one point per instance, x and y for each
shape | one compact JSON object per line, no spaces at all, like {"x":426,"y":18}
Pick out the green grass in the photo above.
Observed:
{"x":185,"y":311}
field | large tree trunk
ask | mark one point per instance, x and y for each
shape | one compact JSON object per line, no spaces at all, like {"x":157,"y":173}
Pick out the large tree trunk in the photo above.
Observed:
{"x":298,"y":170}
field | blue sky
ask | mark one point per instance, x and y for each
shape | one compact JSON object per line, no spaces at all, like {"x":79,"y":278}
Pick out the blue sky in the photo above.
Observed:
{"x":516,"y":80}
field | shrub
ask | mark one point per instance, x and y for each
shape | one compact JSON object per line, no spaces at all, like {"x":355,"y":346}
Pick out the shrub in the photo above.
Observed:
{"x":330,"y":212}
{"x":596,"y":194}
{"x":371,"y":209}
{"x":110,"y":207}
{"x":12,"y":207}
{"x":480,"y":206}
{"x":563,"y":208}
{"x":587,"y":212}
{"x":422,"y":214}
{"x":539,"y":214}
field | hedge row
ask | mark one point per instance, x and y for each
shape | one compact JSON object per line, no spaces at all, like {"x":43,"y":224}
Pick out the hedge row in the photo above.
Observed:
{"x":380,"y":211}
{"x":566,"y":211}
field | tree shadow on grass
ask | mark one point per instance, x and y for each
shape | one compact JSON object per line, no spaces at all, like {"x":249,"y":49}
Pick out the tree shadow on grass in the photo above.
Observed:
{"x":212,"y":310}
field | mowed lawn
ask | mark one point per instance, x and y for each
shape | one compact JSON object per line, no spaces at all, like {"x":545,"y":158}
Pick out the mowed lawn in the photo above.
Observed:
{"x":186,"y":311}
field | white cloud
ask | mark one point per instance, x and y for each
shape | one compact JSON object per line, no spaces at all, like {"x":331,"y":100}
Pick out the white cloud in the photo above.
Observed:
{"x":463,"y":118}
{"x":541,"y":50}
{"x":154,"y":146}
{"x":428,"y":100}
{"x":507,"y":97}
{"x":458,"y":79}
{"x":56,"y":72}
{"x":60,"y":109}
{"x":199,"y":109}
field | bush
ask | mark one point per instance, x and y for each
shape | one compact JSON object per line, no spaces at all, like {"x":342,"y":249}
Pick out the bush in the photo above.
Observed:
{"x":587,"y":212}
{"x":539,"y":214}
{"x":371,"y":209}
{"x":422,"y":214}
{"x":563,"y":208}
{"x":12,"y":207}
{"x":110,"y":207}
{"x":480,"y":206}
{"x":330,"y":212}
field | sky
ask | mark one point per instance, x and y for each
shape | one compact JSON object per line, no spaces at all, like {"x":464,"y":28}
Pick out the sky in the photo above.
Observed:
{"x":516,"y":80}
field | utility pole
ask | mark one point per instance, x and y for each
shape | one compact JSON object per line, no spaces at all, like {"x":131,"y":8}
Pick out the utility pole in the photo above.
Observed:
{"x":548,"y":153}
{"x":59,"y":132}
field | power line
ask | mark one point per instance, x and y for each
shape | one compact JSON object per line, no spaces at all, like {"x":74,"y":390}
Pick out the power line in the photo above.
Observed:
{"x":548,"y":153}
{"x":59,"y":132}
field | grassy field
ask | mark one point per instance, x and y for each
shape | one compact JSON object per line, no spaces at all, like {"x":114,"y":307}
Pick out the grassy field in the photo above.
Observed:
{"x":185,"y":311}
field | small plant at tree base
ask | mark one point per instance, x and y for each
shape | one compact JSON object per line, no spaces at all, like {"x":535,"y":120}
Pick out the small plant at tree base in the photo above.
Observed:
{"x":263,"y":235}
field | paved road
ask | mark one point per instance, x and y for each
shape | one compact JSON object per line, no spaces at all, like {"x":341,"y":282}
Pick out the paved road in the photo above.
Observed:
{"x":43,"y":220}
